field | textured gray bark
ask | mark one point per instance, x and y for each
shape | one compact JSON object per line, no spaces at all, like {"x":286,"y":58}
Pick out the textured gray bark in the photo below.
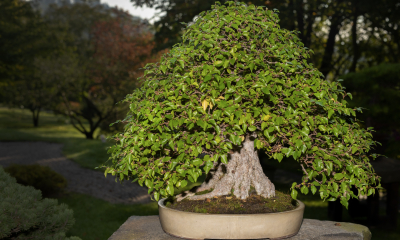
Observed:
{"x":242,"y":171}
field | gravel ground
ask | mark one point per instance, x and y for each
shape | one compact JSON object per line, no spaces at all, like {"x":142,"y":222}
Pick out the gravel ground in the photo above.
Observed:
{"x":80,"y":180}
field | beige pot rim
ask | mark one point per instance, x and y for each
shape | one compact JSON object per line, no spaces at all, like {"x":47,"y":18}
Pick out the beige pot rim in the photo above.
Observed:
{"x":190,"y":225}
{"x":300,"y":205}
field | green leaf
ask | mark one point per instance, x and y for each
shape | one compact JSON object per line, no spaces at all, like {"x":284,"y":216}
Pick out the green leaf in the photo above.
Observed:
{"x":197,"y":162}
{"x":183,"y":183}
{"x":182,"y":63}
{"x":322,"y":128}
{"x":224,"y":158}
{"x":163,"y":68}
{"x":156,"y":196}
{"x":319,"y":95}
{"x":330,"y":112}
{"x":265,"y":90}
{"x":287,"y":151}
{"x":226,"y":64}
{"x":329,"y":166}
{"x":252,"y":128}
{"x":207,"y":77}
{"x":344,"y":202}
{"x":319,"y":164}
{"x":218,"y":63}
{"x":354,"y":149}
{"x":304,"y":189}
{"x":313,"y":189}
{"x":371,"y":191}
{"x":294,"y":194}
{"x":170,"y":189}
{"x":148,"y":183}
{"x":349,"y":94}
{"x":279,"y":156}
{"x":338,"y":176}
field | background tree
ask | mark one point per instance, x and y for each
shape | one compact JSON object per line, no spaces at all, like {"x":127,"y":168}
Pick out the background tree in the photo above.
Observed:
{"x":378,"y":89}
{"x":20,"y":30}
{"x":23,"y":39}
{"x":341,"y":33}
{"x":110,"y":47}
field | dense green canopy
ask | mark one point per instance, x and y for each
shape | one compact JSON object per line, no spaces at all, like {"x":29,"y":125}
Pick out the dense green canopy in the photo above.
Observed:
{"x":237,"y":73}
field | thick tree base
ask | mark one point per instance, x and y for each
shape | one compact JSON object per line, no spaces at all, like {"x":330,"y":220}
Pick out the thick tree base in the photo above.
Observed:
{"x":242,"y":172}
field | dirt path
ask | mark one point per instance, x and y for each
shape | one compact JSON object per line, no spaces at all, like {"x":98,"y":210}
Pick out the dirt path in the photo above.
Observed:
{"x":80,"y":180}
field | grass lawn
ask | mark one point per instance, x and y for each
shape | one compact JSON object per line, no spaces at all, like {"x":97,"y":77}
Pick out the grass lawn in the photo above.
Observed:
{"x":97,"y":219}
{"x":16,"y":125}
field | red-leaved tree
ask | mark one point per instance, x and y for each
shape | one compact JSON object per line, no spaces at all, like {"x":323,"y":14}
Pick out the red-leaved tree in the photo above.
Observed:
{"x":118,"y":47}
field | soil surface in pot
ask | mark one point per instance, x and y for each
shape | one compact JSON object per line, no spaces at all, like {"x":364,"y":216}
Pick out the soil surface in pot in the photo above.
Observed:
{"x":232,"y":205}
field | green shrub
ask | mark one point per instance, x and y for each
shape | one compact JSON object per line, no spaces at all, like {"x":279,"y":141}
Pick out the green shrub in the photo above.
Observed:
{"x":42,"y":178}
{"x":25,"y":215}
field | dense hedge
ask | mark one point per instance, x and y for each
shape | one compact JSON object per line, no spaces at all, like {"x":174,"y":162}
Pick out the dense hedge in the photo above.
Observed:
{"x":40,"y":177}
{"x":25,"y":215}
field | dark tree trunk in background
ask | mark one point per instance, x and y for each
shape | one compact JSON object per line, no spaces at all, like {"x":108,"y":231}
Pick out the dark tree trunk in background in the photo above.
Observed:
{"x":326,"y":65}
{"x":356,"y":53}
{"x":242,"y":171}
{"x":35,"y":116}
{"x":89,"y":135}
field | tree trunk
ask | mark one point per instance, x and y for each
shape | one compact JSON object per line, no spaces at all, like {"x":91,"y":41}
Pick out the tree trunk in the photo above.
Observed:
{"x":354,"y":38}
{"x":242,"y":171}
{"x":35,"y":116}
{"x":326,"y":65}
{"x":89,"y":135}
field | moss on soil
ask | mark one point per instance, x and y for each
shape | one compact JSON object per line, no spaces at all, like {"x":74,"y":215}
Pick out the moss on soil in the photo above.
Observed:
{"x":232,"y":205}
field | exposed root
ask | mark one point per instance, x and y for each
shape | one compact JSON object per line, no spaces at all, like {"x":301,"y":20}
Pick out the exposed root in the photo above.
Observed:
{"x":241,"y":172}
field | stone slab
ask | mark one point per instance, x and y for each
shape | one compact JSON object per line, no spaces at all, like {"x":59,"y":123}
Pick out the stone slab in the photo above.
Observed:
{"x":149,"y":228}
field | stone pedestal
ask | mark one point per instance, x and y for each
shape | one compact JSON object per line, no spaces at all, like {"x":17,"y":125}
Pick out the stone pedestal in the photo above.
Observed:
{"x":149,"y":228}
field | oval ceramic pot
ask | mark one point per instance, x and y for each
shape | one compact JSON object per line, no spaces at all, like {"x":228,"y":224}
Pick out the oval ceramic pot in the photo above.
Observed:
{"x":191,"y":225}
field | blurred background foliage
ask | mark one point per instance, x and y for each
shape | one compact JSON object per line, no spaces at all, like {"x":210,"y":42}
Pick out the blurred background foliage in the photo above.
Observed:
{"x":80,"y":59}
{"x":77,"y":60}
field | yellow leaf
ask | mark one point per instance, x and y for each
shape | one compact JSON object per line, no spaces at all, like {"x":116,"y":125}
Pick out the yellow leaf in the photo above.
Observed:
{"x":211,"y":106}
{"x":242,"y":137}
{"x":219,"y":98}
{"x":204,"y":104}
{"x":228,"y":197}
{"x":266,"y":117}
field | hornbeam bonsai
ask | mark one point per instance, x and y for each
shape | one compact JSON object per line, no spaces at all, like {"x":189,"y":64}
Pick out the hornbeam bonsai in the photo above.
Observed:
{"x":238,"y":84}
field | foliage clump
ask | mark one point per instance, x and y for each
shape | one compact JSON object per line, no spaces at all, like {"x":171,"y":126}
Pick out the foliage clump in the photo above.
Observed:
{"x":238,"y":74}
{"x":25,"y":215}
{"x":42,"y":178}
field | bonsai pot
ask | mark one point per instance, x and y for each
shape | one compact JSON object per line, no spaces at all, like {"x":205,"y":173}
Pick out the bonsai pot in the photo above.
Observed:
{"x":190,"y":225}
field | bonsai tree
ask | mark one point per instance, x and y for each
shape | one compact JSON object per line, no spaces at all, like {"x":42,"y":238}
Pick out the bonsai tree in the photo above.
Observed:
{"x":238,"y":84}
